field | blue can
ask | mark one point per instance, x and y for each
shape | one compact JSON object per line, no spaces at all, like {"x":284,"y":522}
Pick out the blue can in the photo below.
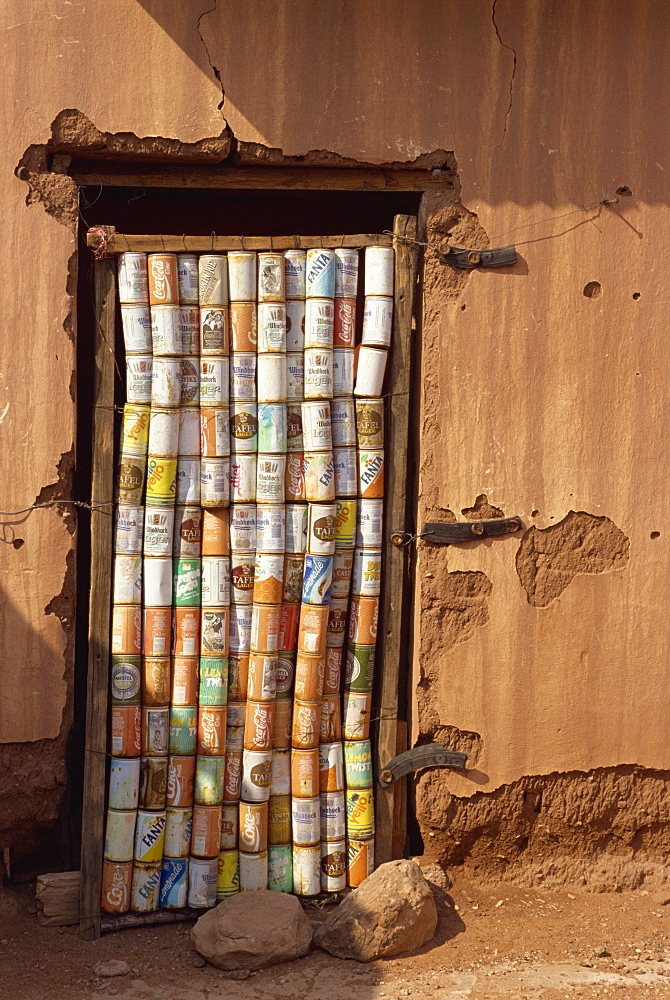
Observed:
{"x":320,"y":274}
{"x":317,"y":579}
{"x":174,"y":883}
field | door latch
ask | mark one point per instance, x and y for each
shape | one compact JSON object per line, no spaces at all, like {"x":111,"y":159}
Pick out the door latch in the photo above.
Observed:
{"x":430,"y":755}
{"x":439,"y":533}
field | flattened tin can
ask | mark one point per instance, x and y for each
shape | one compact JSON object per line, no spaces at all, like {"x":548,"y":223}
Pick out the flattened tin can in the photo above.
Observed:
{"x":271,"y":277}
{"x":333,"y":865}
{"x":232,"y":781}
{"x":240,"y":628}
{"x":243,"y":326}
{"x":369,"y":525}
{"x":356,"y":715}
{"x":370,"y":371}
{"x":280,"y":775}
{"x":271,"y":328}
{"x":313,"y":628}
{"x":185,"y":675}
{"x":379,"y":265}
{"x":256,"y":775}
{"x":126,"y":629}
{"x":242,"y":479}
{"x":346,"y":272}
{"x":295,"y":325}
{"x":343,"y":423}
{"x":229,"y":826}
{"x":243,"y":427}
{"x":124,"y":783}
{"x":319,"y":318}
{"x":377,"y":321}
{"x":163,"y":279}
{"x":187,"y":278}
{"x":155,"y":722}
{"x":309,"y":669}
{"x":333,"y":671}
{"x":153,"y":783}
{"x":145,"y":887}
{"x":202,"y":882}
{"x":211,"y":731}
{"x":319,"y":477}
{"x":228,"y":874}
{"x":280,"y":867}
{"x":119,"y":835}
{"x":279,"y":819}
{"x":174,"y":883}
{"x":295,"y":377}
{"x":163,"y":433}
{"x":180,"y":783}
{"x":116,"y":881}
{"x":304,"y":782}
{"x":213,"y":687}
{"x":360,"y":813}
{"x":214,"y":381}
{"x":206,"y":832}
{"x":241,"y":276}
{"x":128,"y":529}
{"x":187,"y":535}
{"x":294,"y":484}
{"x":215,"y":532}
{"x":166,"y":339}
{"x":212,"y":280}
{"x":127,"y":580}
{"x":360,"y":667}
{"x":331,"y":719}
{"x":317,"y":580}
{"x":183,"y":730}
{"x":136,"y":322}
{"x":306,"y":820}
{"x":243,"y":377}
{"x":258,"y":725}
{"x":307,"y":870}
{"x":161,"y":481}
{"x":294,"y":273}
{"x":270,"y":476}
{"x":149,"y":835}
{"x":209,"y":772}
{"x":331,"y":767}
{"x":271,"y":378}
{"x":139,"y":368}
{"x":306,"y":725}
{"x":320,"y":274}
{"x":215,"y":581}
{"x":133,"y":277}
{"x":358,"y":764}
{"x":158,"y":529}
{"x":253,"y":827}
{"x":253,"y":871}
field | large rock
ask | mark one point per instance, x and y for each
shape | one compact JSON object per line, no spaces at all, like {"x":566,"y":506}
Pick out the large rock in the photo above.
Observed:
{"x":393,"y":911}
{"x":253,"y":930}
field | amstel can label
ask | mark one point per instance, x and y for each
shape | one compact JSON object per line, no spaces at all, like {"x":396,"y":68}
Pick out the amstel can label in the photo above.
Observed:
{"x":158,"y":531}
{"x":331,"y":767}
{"x":203,"y":874}
{"x":331,"y":719}
{"x":174,"y":883}
{"x":271,"y":327}
{"x":124,"y":783}
{"x":253,"y":871}
{"x":183,"y":730}
{"x":211,"y":731}
{"x":243,"y":326}
{"x":268,"y":578}
{"x":256,"y":775}
{"x":187,"y":278}
{"x":161,"y":481}
{"x":253,"y":827}
{"x":284,"y":673}
{"x":371,"y":474}
{"x":333,"y":816}
{"x":243,"y":427}
{"x":213,"y":279}
{"x":378,"y":321}
{"x":259,"y":721}
{"x":305,"y":773}
{"x":136,"y":323}
{"x":360,"y":813}
{"x":320,"y":274}
{"x":319,"y":477}
{"x":360,"y":666}
{"x":180,"y":782}
{"x":130,"y":476}
{"x":128,"y":530}
{"x":125,"y":680}
{"x":187,"y":582}
{"x":155,"y":729}
{"x":306,"y":725}
{"x":293,"y":572}
{"x":187,"y":532}
{"x":271,"y":378}
{"x":317,"y":579}
{"x":133,"y":277}
{"x":156,"y":680}
{"x":215,"y":531}
{"x":164,"y":426}
{"x":215,"y":432}
{"x":271,"y":277}
{"x":279,"y":819}
{"x":126,"y":726}
{"x":309,"y":670}
{"x":363,"y":617}
{"x":337,"y":621}
{"x":283,"y":720}
{"x":333,"y":865}
{"x":358,"y":764}
{"x":186,"y":635}
{"x":241,"y":276}
{"x":126,"y":629}
{"x":356,"y":717}
{"x":153,"y":783}
{"x":163,"y":279}
{"x":213,"y":684}
{"x":243,"y":392}
{"x":134,"y":429}
{"x":280,"y":775}
{"x":313,"y":628}
{"x":288,"y":625}
{"x":280,"y":867}
{"x":232,"y":781}
{"x":149,"y":835}
{"x":370,"y":371}
{"x":295,"y":325}
{"x":209,"y":773}
{"x":295,"y":377}
{"x":294,"y":484}
{"x":184,"y":680}
{"x":346,"y":472}
{"x":229,"y":826}
{"x":360,"y":860}
{"x":206,"y":832}
{"x":294,"y":273}
{"x":344,"y":326}
{"x":116,"y":880}
{"x":333,"y":670}
{"x":228,"y":875}
{"x":214,"y":331}
{"x":343,"y":562}
{"x":238,"y":676}
{"x":119,"y":835}
{"x":145,"y":887}
{"x":305,"y":816}
{"x":261,"y":680}
{"x":307,"y":870}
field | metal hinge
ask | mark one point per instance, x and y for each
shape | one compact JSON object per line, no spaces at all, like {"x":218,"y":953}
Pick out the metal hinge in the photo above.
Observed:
{"x":441,"y":533}
{"x":430,"y":755}
{"x":469,"y":259}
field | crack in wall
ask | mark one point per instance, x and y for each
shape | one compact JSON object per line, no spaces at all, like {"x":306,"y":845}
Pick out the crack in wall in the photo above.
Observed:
{"x":215,"y":70}
{"x":514,"y":63}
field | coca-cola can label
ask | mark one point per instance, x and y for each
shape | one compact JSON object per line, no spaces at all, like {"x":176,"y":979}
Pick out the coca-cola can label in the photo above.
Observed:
{"x":243,"y":377}
{"x":232,"y":782}
{"x":271,"y":277}
{"x":258,"y":725}
{"x":344,"y":326}
{"x":295,"y":325}
{"x":294,"y":273}
{"x":139,"y":369}
{"x":188,"y":480}
{"x":116,"y":881}
{"x":331,"y":718}
{"x":296,"y":527}
{"x":319,"y":476}
{"x":187,"y":537}
{"x":270,"y":475}
{"x":215,"y":581}
{"x":187,"y":278}
{"x":294,"y":483}
{"x":333,"y":669}
{"x":295,"y":377}
{"x":128,"y":529}
{"x":377,"y":321}
{"x":379,"y":265}
{"x":214,"y":378}
{"x":166,"y":339}
{"x":253,"y":836}
{"x":256,"y":775}
{"x":242,"y":478}
{"x":305,"y":726}
{"x":367,"y":572}
{"x":189,"y":325}
{"x":271,"y":378}
{"x":343,"y":372}
{"x":320,"y":274}
{"x":346,"y":472}
{"x":163,"y":279}
{"x":212,"y":280}
{"x":271,"y":328}
{"x":240,"y":628}
{"x":346,"y":273}
{"x":243,"y":326}
{"x":243,"y":427}
{"x":214,"y":331}
{"x":133,"y":278}
{"x":215,"y":488}
{"x":369,"y":525}
{"x":241,"y":276}
{"x":319,"y":319}
{"x":270,"y":528}
{"x":213,"y":683}
{"x":370,"y":371}
{"x":180,"y":783}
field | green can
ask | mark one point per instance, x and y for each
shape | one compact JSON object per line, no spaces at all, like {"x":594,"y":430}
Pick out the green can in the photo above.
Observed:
{"x":125,"y":680}
{"x":183,"y":730}
{"x":187,"y":582}
{"x":358,"y":764}
{"x":280,"y":868}
{"x":285,"y":672}
{"x":209,"y":773}
{"x":360,"y":667}
{"x":213,"y":688}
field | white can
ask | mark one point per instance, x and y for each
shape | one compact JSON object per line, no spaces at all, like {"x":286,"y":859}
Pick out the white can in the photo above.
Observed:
{"x":164,"y":432}
{"x":243,"y":427}
{"x":270,"y":528}
{"x":242,"y":577}
{"x":136,"y":322}
{"x":296,"y":528}
{"x":319,"y":476}
{"x":166,"y":331}
{"x":271,"y":277}
{"x":256,"y":775}
{"x":212,"y":280}
{"x":355,"y":715}
{"x":215,"y":482}
{"x":202,"y":877}
{"x":240,"y":636}
{"x":158,"y":582}
{"x":187,"y":535}
{"x":119,"y":835}
{"x":316,"y":426}
{"x":271,"y":327}
{"x":253,"y":871}
{"x":149,"y":836}
{"x":370,"y":524}
{"x":333,"y":816}
{"x":272,"y":428}
{"x":331,"y":767}
{"x":306,"y":821}
{"x":241,"y":276}
{"x":320,"y":274}
{"x":370,"y":373}
{"x":318,"y":374}
{"x":333,"y":865}
{"x":243,"y":527}
{"x":280,"y":780}
{"x":379,"y":265}
{"x":215,"y":432}
{"x":295,"y":325}
{"x":343,"y":371}
{"x":133,"y":277}
{"x":243,"y":377}
{"x":346,"y":472}
{"x":307,"y":870}
{"x":188,"y":480}
{"x":343,"y":422}
{"x":271,"y":372}
{"x":242,"y":478}
{"x":319,"y":318}
{"x":295,"y":377}
{"x":270,"y":478}
{"x":215,"y":581}
{"x":367,"y":573}
{"x":127,"y":580}
{"x":128,"y":528}
{"x":214,"y":381}
{"x":294,"y":273}
{"x":138,"y":378}
{"x":166,"y":382}
{"x":145,"y":887}
{"x":346,"y":273}
{"x":187,"y":277}
{"x":124,"y":782}
{"x":378,"y":321}
{"x":321,"y":529}
{"x":189,"y":324}
{"x":189,"y":431}
{"x":190,"y":382}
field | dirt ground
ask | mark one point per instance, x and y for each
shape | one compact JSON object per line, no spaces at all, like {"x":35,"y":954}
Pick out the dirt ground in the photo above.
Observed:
{"x":498,"y":941}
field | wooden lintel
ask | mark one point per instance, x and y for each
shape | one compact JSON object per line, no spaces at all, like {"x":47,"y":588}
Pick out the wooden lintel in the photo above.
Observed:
{"x":118,"y":243}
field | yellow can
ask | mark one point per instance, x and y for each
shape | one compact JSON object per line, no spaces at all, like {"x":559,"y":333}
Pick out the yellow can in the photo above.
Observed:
{"x":135,"y":429}
{"x":161,"y":481}
{"x":228,"y":874}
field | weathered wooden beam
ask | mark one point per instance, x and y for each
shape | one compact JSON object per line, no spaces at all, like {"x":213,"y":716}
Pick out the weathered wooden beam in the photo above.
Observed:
{"x":156,"y":243}
{"x":57,"y":898}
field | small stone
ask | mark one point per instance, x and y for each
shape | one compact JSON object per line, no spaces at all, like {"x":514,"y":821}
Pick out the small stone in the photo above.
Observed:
{"x":239,"y":974}
{"x":199,"y":962}
{"x":112,"y":967}
{"x":602,"y":952}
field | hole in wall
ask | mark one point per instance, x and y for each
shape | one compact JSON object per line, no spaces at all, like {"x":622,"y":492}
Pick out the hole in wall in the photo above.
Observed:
{"x":655,"y":534}
{"x":624,"y":191}
{"x":18,"y":543}
{"x":636,"y":295}
{"x":593,"y":290}
{"x":534,"y":513}
{"x":463,"y":307}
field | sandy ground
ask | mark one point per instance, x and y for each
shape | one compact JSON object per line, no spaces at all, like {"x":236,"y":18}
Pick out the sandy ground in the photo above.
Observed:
{"x":498,"y":941}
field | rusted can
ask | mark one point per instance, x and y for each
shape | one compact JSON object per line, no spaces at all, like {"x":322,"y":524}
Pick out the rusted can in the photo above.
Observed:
{"x":187,"y":532}
{"x":149,"y":836}
{"x":158,"y":529}
{"x":243,"y":527}
{"x":133,"y":277}
{"x":232,"y":781}
{"x":128,"y":529}
{"x":214,"y":332}
{"x":157,"y":640}
{"x":243,"y":329}
{"x":183,"y":730}
{"x":209,"y":773}
{"x":280,"y":775}
{"x":261,"y":683}
{"x":156,"y":679}
{"x":369,"y":524}
{"x":206,"y":832}
{"x":242,"y":478}
{"x":265,"y":622}
{"x":367,"y":573}
{"x":294,"y":483}
{"x":215,"y":532}
{"x":268,"y":578}
{"x":259,"y":721}
{"x":306,"y":725}
{"x":116,"y":881}
{"x":211,"y":730}
{"x":187,"y":278}
{"x":284,"y":673}
{"x":187,"y":582}
{"x":370,"y":371}
{"x":130,"y":477}
{"x":319,"y":318}
{"x":309,"y":671}
{"x":240,"y":628}
{"x":319,"y":476}
{"x":158,"y":581}
{"x":271,"y":378}
{"x":243,"y":428}
{"x":295,"y":325}
{"x":256,"y":775}
{"x":345,"y":523}
{"x":155,"y":731}
{"x":203,"y":876}
{"x":360,"y":813}
{"x":346,"y":273}
{"x":119,"y":835}
{"x":313,"y":628}
{"x":214,"y":381}
{"x":127,"y":587}
{"x":370,"y":474}
{"x":272,"y":428}
{"x":359,"y":669}
{"x":333,"y":816}
{"x":215,"y":481}
{"x":161,"y":481}
{"x":238,"y":676}
{"x":333,"y":865}
{"x":242,"y":577}
{"x":163,"y":433}
{"x":343,"y":423}
{"x":344,"y":326}
{"x":294,"y":273}
{"x":343,"y":372}
{"x":166,"y":338}
{"x":281,"y":737}
{"x":317,"y":579}
{"x":180,"y":784}
{"x":337,"y":621}
{"x":189,"y":327}
{"x":271,"y":328}
{"x":228,"y":874}
{"x":321,"y":529}
{"x":358,"y":764}
{"x":145,"y":887}
{"x":320,"y":274}
{"x":379,"y":265}
{"x":295,"y":377}
{"x":125,"y":680}
{"x":294,"y":438}
{"x":212,"y":280}
{"x":243,"y":377}
{"x":293,"y":573}
{"x":331,"y":767}
{"x":270,"y":529}
{"x":318,"y":373}
{"x":214,"y":637}
{"x":253,"y":827}
{"x":305,"y":819}
{"x":229,"y":826}
{"x":316,"y":429}
{"x":304,"y":782}
{"x":307,"y":870}
{"x":135,"y":429}
{"x":280,"y":868}
{"x":343,"y":561}
{"x":215,"y":581}
{"x":253,"y":871}
{"x":279,"y":819}
{"x":215,"y":432}
{"x":271,"y":277}
{"x":270,"y":476}
{"x":185,"y":674}
{"x":174,"y":883}
{"x":333,"y":670}
{"x":166,"y":382}
{"x":136,"y":323}
{"x":331,"y":719}
{"x":163,"y":279}
{"x":213,"y":682}
{"x":363,"y":617}
{"x":377,"y":321}
{"x":356,"y":715}
{"x":188,"y":480}
{"x":139,"y":368}
{"x":124,"y":783}
{"x":126,"y":629}
{"x":241,"y":276}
